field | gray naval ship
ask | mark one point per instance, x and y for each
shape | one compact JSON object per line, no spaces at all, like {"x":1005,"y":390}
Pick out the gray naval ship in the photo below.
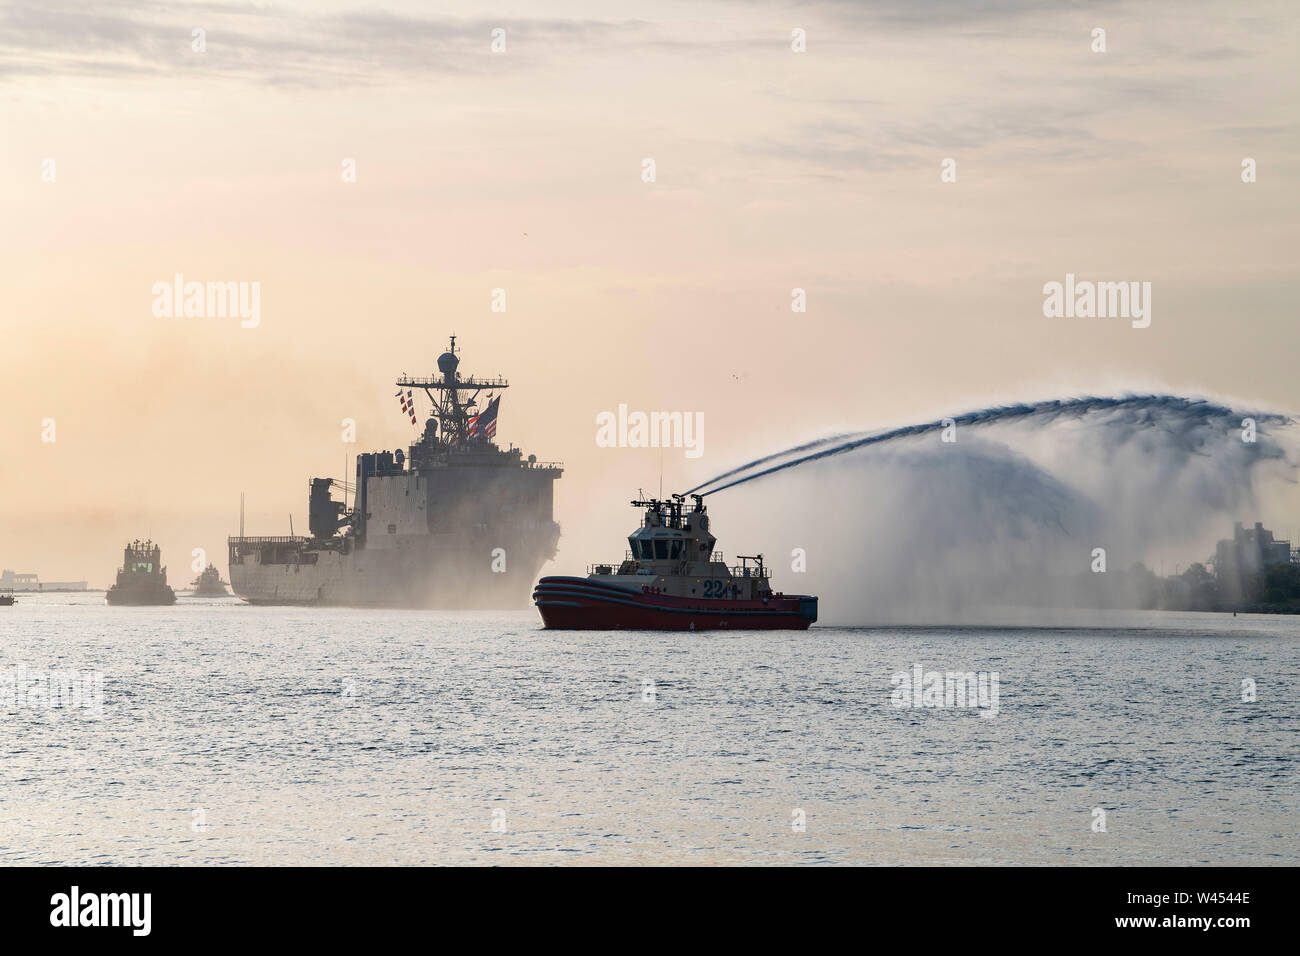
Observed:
{"x":454,"y":522}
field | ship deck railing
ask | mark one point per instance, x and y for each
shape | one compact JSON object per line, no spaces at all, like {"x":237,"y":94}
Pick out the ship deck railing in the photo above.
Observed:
{"x":476,"y":451}
{"x":715,"y":557}
{"x":269,"y":539}
{"x":632,"y":565}
{"x":432,"y":381}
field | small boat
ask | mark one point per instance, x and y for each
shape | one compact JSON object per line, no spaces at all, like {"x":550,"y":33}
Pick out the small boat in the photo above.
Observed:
{"x":209,"y":583}
{"x":6,"y":598}
{"x":672,"y":580}
{"x":142,"y":580}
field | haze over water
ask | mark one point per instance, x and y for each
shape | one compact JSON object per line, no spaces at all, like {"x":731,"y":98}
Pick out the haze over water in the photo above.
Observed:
{"x":522,"y":171}
{"x":241,"y":712}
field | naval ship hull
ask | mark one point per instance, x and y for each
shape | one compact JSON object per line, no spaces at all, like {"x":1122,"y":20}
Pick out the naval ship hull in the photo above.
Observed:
{"x":572,"y":603}
{"x":443,"y":572}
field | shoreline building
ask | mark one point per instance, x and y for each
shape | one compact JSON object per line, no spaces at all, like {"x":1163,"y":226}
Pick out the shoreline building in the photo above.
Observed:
{"x":1247,"y":552}
{"x":26,"y":582}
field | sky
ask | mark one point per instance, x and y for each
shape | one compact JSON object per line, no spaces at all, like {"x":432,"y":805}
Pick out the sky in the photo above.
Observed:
{"x":128,"y":156}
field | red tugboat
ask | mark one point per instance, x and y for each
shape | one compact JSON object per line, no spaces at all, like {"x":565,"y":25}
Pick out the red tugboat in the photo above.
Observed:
{"x":672,"y":580}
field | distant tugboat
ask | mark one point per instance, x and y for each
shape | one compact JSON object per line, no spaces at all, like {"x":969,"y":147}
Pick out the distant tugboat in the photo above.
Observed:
{"x":141,"y":579}
{"x":6,"y":598}
{"x":672,"y":580}
{"x":209,"y":583}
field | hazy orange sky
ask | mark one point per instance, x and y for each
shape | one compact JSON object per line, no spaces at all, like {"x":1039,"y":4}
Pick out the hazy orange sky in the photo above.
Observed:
{"x":522,"y":170}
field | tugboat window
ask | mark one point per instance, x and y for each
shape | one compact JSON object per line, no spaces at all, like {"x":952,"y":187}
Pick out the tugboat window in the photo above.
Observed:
{"x":661,"y":549}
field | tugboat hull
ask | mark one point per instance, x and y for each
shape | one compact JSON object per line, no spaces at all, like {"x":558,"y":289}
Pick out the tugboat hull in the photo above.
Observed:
{"x":143,"y":597}
{"x":573,"y":603}
{"x":142,"y":580}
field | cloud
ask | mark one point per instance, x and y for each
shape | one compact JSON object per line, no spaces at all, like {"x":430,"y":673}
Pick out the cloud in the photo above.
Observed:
{"x":938,"y":14}
{"x":42,"y":39}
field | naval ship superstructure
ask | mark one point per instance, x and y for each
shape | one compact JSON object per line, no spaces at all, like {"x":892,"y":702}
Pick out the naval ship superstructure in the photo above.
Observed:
{"x":453,"y":522}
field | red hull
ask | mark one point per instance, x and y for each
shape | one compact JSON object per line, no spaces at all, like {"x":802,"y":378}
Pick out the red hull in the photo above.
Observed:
{"x":585,"y":605}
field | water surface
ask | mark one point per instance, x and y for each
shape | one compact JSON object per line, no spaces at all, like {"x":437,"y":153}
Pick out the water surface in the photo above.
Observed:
{"x":235,"y":734}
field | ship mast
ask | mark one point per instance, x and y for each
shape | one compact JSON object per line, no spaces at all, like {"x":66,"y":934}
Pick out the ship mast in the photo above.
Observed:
{"x":454,"y":398}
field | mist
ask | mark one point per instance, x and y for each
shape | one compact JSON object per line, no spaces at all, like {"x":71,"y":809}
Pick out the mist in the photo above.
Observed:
{"x":905,"y":527}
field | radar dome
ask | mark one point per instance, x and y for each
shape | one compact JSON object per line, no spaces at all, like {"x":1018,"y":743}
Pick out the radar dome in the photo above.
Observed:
{"x":447,"y":362}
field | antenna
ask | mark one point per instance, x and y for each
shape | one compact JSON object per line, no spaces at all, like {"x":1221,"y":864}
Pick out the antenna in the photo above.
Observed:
{"x":241,"y":514}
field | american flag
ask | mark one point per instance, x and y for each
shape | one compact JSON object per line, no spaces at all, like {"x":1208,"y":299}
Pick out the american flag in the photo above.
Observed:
{"x":486,"y":420}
